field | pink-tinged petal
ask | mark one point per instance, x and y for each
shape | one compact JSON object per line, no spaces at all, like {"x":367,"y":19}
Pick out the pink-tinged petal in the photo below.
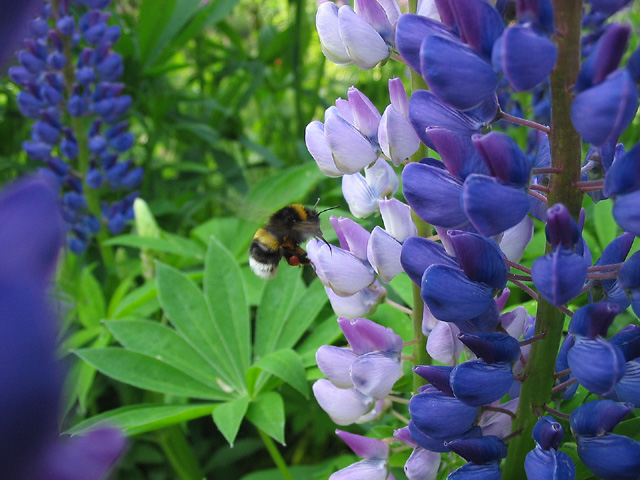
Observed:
{"x":363,"y":470}
{"x":365,"y":336}
{"x":330,"y":40}
{"x":345,"y":273}
{"x":396,"y":217}
{"x":514,"y":321}
{"x":404,"y":435}
{"x":498,"y":423}
{"x":443,"y":344}
{"x":398,"y":140}
{"x":375,"y":373}
{"x":515,"y":239}
{"x":353,"y":236}
{"x":344,"y":110}
{"x":365,"y":447}
{"x":350,"y":149}
{"x":383,"y":252}
{"x":335,"y":363}
{"x":422,"y":465}
{"x":366,"y":116}
{"x":376,"y":412}
{"x":392,"y":9}
{"x":319,"y":150}
{"x":428,"y":8}
{"x":359,"y":304}
{"x":365,"y":46}
{"x":382,"y":178}
{"x":398,"y":96}
{"x":360,"y":197}
{"x":376,"y":16}
{"x":344,"y":406}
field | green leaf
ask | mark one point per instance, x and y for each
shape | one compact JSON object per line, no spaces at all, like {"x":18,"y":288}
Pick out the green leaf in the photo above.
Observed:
{"x":141,"y":302}
{"x":188,"y":311}
{"x":136,"y":419}
{"x":287,"y":366}
{"x":161,"y":342}
{"x":225,"y":294}
{"x":605,"y":226}
{"x":146,"y":372}
{"x":228,"y":417}
{"x":91,"y":303}
{"x":266,"y":412}
{"x":152,"y":19}
{"x":324,"y":334}
{"x":158,"y":244}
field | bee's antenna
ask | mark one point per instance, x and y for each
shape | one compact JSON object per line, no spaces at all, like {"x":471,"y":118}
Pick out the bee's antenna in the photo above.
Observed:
{"x":327,"y":209}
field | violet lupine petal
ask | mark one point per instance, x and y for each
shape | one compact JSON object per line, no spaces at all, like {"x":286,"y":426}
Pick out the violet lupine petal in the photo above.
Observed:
{"x":544,"y":464}
{"x":426,"y":110}
{"x":628,"y":388}
{"x":479,"y":24}
{"x":448,"y":64}
{"x":396,"y":217}
{"x":375,"y":373}
{"x":492,"y":347}
{"x":341,"y":270}
{"x":601,"y":113}
{"x":436,"y":375}
{"x":422,"y":464}
{"x":513,"y":322}
{"x":561,"y":228}
{"x":90,"y":456}
{"x":365,"y":447}
{"x":539,"y":12}
{"x":398,"y":140}
{"x":410,"y":32}
{"x":352,"y":236}
{"x":439,"y":416}
{"x":437,"y":445}
{"x":477,"y":383}
{"x":488,"y":471}
{"x":457,"y":152}
{"x":434,"y":195}
{"x":376,"y":16}
{"x":343,"y":405}
{"x":516,"y":239}
{"x":559,"y":276}
{"x":610,"y":457}
{"x":365,"y":336}
{"x":398,"y":97}
{"x":365,"y":46}
{"x":382,"y":178}
{"x":548,"y":433}
{"x":480,"y":258}
{"x":359,"y":195}
{"x":451,"y":296}
{"x":491,"y":206}
{"x":498,"y":423}
{"x":383,"y":252}
{"x":358,"y":304}
{"x":524,"y":71}
{"x":593,"y":320}
{"x":350,"y":149}
{"x":628,"y":340}
{"x":624,"y":174}
{"x":597,"y":364}
{"x":604,"y":57}
{"x":504,"y":157}
{"x":479,"y":450}
{"x":598,"y":417}
{"x":334,"y":363}
{"x":626,"y":213}
{"x":363,"y":470}
{"x":420,"y":253}
{"x":317,"y":145}
{"x":366,"y":116}
{"x":329,"y":33}
{"x":443,"y":344}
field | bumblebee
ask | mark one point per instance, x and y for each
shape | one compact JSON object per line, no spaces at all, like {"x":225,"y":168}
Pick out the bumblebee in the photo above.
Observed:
{"x":281,"y":237}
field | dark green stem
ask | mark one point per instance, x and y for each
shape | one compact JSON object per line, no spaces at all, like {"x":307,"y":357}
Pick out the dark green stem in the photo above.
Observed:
{"x":276,"y":456}
{"x":179,"y":452}
{"x":566,"y":155}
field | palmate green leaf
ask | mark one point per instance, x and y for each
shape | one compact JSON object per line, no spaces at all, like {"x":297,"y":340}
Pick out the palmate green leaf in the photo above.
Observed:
{"x":225,"y":294}
{"x":147,"y":373}
{"x":165,"y":344}
{"x":137,"y":419}
{"x":287,"y":366}
{"x":140,"y":302}
{"x":266,"y":412}
{"x":228,"y":417}
{"x":188,"y":311}
{"x":286,"y":311}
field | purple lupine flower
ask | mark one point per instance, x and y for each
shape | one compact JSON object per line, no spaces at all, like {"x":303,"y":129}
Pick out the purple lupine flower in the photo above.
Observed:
{"x":628,"y":388}
{"x":31,"y":240}
{"x":422,"y":464}
{"x":545,"y":461}
{"x":398,"y":140}
{"x":483,"y":454}
{"x":81,"y":44}
{"x":363,"y":192}
{"x":607,"y":455}
{"x":375,"y":455}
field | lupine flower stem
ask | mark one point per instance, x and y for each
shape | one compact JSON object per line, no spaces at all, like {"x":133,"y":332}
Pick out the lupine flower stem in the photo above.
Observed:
{"x":524,"y":122}
{"x":401,"y":400}
{"x":566,"y":155}
{"x":542,"y":198}
{"x":563,"y":385}
{"x":276,"y":456}
{"x":556,"y":413}
{"x":540,"y":188}
{"x":397,"y":306}
{"x":540,"y":171}
{"x":562,"y":373}
{"x":400,"y":417}
{"x":500,"y":410}
{"x":523,"y":278}
{"x":517,"y":266}
{"x":179,"y":453}
{"x":531,"y":340}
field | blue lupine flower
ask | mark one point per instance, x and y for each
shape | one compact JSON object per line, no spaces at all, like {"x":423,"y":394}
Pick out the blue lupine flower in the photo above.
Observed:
{"x":545,"y":461}
{"x":482,"y":453}
{"x":422,"y":464}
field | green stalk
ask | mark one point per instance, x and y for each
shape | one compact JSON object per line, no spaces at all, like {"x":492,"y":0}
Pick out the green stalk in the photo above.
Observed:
{"x":179,"y":452}
{"x":566,"y":156}
{"x":276,"y":456}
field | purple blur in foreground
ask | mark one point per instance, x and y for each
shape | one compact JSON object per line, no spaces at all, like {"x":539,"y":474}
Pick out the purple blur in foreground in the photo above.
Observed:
{"x":30,"y":240}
